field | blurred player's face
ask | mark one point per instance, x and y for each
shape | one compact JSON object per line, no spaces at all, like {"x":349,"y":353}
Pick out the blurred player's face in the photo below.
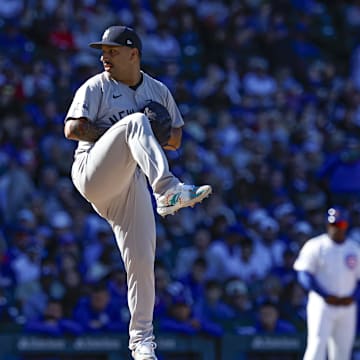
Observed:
{"x":337,"y":232}
{"x":121,"y":62}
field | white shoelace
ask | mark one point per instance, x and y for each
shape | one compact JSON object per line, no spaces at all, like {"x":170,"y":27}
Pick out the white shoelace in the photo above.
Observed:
{"x":147,"y":344}
{"x":186,"y":187}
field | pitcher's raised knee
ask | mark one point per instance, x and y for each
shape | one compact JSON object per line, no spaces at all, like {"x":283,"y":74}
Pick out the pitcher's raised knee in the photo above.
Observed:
{"x":138,"y":123}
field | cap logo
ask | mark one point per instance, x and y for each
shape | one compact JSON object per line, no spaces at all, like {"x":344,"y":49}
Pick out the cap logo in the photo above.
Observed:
{"x":351,"y":261}
{"x":129,"y":42}
{"x":106,"y":34}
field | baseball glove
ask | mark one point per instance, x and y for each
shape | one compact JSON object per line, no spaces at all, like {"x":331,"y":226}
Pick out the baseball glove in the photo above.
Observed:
{"x":160,"y":121}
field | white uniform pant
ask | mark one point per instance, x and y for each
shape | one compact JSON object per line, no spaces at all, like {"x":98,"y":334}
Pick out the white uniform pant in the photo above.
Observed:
{"x":109,"y":177}
{"x":331,"y":330}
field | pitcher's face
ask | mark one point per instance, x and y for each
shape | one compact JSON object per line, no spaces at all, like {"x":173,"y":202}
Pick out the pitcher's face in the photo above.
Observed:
{"x":119,"y":61}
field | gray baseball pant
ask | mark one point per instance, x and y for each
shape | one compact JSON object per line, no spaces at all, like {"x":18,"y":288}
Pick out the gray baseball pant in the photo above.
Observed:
{"x":108,"y":176}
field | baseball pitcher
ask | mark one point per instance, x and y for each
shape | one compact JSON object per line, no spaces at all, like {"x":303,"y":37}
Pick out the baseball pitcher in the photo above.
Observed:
{"x":118,"y":154}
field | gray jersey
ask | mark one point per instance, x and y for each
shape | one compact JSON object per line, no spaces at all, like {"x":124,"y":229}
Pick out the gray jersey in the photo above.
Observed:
{"x":105,"y":101}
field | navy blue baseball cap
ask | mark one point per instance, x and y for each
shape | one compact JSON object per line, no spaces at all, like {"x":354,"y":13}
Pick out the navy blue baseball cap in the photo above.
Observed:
{"x":337,"y":216}
{"x":119,"y":36}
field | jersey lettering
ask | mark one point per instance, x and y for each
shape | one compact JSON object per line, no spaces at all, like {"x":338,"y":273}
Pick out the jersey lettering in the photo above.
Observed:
{"x":121,"y":114}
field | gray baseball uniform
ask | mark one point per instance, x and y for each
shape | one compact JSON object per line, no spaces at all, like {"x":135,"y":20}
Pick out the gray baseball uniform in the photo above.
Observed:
{"x":110,"y":174}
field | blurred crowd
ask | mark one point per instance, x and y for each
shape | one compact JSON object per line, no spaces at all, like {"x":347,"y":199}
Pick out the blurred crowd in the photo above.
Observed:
{"x":270,"y":93}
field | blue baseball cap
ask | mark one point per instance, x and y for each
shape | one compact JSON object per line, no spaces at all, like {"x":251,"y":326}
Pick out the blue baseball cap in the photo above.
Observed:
{"x":119,"y":36}
{"x":337,"y":216}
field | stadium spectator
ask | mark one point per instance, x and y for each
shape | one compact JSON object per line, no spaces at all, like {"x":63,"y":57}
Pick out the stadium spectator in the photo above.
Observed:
{"x":186,"y":256}
{"x":196,"y":279}
{"x":269,"y":320}
{"x":97,"y":312}
{"x":224,"y":250}
{"x":252,"y":263}
{"x":239,"y":299}
{"x":211,"y":306}
{"x":180,"y":319}
{"x":52,"y":322}
{"x":293,"y":305}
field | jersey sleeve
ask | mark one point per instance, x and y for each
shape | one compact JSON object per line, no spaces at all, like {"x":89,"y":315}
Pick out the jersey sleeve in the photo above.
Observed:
{"x":86,"y":102}
{"x":177,"y":120}
{"x":358,"y":263}
{"x":306,"y":260}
